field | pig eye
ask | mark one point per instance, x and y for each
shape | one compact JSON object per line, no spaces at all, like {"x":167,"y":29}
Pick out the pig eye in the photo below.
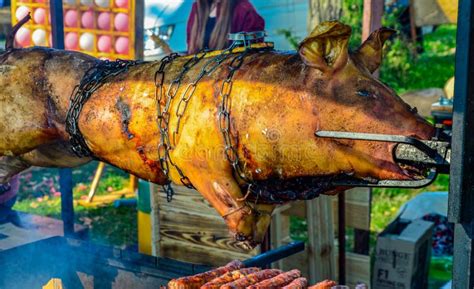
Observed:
{"x":364,"y":93}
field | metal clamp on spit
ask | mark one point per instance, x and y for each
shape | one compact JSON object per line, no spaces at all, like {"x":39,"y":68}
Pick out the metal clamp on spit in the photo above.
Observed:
{"x":247,"y":38}
{"x":433,"y":154}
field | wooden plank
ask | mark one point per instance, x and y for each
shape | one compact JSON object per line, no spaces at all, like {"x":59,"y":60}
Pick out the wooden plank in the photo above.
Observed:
{"x":372,"y":19}
{"x":357,"y":269}
{"x":320,"y":239}
{"x":185,"y":199}
{"x":357,"y":215}
{"x":358,"y":195}
{"x":155,"y":220}
{"x":357,"y":211}
{"x":199,"y":254}
{"x":197,"y":229}
{"x":189,"y":229}
{"x":280,"y":230}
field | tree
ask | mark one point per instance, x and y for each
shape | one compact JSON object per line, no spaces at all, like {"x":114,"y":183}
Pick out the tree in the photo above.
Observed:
{"x":323,"y":10}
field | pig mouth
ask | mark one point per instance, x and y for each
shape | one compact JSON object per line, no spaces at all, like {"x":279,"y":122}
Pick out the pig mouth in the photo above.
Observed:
{"x":278,"y":191}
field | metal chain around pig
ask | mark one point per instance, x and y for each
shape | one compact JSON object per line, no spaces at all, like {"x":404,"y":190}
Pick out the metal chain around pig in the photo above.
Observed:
{"x":224,"y":120}
{"x":165,"y":145}
{"x":163,"y":117}
{"x":92,"y":80}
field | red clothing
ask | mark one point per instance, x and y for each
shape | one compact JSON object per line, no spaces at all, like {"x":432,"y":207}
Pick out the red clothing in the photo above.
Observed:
{"x":245,"y":19}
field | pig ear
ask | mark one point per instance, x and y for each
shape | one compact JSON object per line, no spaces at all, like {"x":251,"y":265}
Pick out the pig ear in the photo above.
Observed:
{"x":370,"y":52}
{"x":326,"y":47}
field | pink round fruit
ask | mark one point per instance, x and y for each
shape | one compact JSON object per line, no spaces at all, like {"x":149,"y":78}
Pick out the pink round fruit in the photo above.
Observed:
{"x":71,"y":40}
{"x":121,"y":45}
{"x":87,"y":19}
{"x":104,"y":44}
{"x":102,"y":3}
{"x":121,"y":3}
{"x":39,"y":37}
{"x":103,"y":21}
{"x":121,"y":22}
{"x":70,"y":18}
{"x":39,"y":16}
{"x":86,"y":41}
{"x":21,"y":12}
{"x":23,"y":37}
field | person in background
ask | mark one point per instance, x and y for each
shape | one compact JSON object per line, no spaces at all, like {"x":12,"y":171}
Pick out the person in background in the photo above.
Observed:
{"x":211,"y":21}
{"x":8,"y":194}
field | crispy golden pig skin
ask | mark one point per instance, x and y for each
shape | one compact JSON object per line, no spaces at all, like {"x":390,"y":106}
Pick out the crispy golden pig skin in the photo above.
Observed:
{"x":278,"y":101}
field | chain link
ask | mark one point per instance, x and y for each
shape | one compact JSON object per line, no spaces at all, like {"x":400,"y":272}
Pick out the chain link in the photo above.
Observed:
{"x":166,"y":145}
{"x":224,"y":120}
{"x":90,"y":82}
{"x":207,"y":69}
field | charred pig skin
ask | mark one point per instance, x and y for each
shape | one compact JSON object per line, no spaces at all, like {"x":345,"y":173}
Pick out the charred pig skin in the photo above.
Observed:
{"x":277,"y":103}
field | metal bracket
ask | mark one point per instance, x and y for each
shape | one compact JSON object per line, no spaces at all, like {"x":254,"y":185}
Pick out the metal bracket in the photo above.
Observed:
{"x":246,"y":38}
{"x":433,"y":154}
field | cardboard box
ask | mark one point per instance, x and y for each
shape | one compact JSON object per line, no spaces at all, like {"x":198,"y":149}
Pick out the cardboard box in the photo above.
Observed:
{"x":402,"y":255}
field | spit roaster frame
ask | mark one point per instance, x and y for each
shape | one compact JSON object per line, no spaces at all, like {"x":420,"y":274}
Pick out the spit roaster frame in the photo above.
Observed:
{"x":434,"y":154}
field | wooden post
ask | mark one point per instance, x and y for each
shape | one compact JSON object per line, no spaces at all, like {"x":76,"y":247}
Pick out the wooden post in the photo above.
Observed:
{"x":133,"y":186}
{"x":95,"y":181}
{"x":277,"y":234}
{"x":320,"y":239}
{"x":372,"y":19}
{"x":341,"y":237}
{"x":155,"y":220}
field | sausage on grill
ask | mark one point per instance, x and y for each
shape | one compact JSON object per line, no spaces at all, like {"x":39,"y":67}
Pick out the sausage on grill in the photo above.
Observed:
{"x":196,"y":281}
{"x":277,"y":281}
{"x":298,"y":283}
{"x":229,"y":277}
{"x":251,"y":279}
{"x":326,"y":284}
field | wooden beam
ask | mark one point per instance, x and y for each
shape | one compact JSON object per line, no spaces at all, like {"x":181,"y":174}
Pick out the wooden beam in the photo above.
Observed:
{"x":372,"y":18}
{"x":95,"y":182}
{"x":341,"y":237}
{"x":320,"y":239}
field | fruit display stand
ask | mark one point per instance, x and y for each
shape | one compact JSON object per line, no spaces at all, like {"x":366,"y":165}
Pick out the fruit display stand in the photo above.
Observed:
{"x":107,"y":29}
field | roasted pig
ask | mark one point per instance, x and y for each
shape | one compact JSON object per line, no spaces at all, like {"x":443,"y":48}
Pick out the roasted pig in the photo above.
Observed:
{"x":241,"y":133}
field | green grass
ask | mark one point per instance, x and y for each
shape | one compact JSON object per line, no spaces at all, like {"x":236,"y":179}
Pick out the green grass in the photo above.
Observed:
{"x":404,"y":71}
{"x":115,"y":226}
